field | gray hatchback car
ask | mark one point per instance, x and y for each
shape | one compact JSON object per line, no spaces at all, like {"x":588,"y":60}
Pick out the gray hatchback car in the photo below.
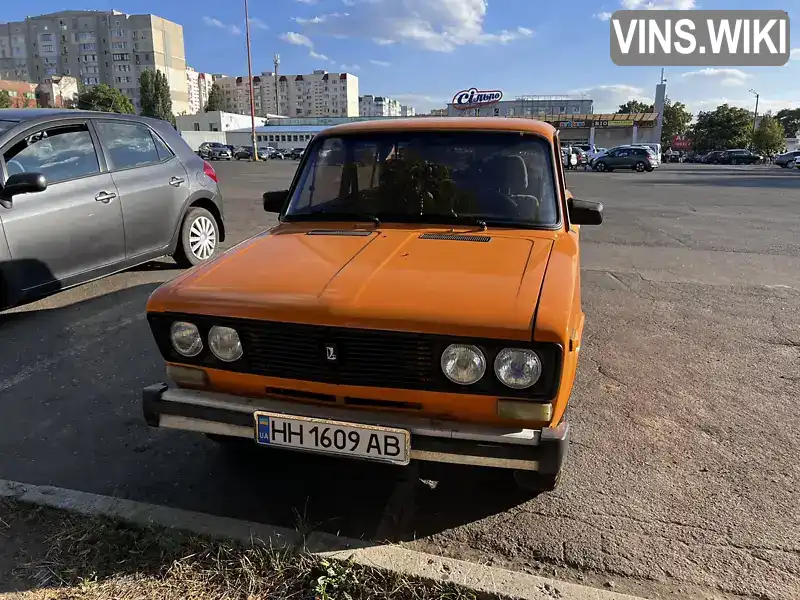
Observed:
{"x":87,"y":194}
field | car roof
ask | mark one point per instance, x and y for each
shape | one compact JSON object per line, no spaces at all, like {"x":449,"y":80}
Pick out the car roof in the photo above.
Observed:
{"x":444,"y":123}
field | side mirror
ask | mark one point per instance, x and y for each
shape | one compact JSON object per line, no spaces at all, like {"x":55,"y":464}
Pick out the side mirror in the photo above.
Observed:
{"x":274,"y":201}
{"x":23,"y":183}
{"x":584,"y":212}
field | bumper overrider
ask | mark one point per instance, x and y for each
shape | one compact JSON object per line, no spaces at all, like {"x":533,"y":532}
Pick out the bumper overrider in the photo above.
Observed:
{"x":541,"y":450}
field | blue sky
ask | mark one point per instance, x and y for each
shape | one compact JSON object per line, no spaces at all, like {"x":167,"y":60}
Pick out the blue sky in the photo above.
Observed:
{"x":423,"y":51}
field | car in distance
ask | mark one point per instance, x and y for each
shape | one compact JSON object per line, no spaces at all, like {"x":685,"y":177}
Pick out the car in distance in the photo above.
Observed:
{"x":214,"y":151}
{"x":740,"y":157}
{"x":275,"y":153}
{"x":638,"y":158}
{"x":246,"y":152}
{"x":423,"y":306}
{"x":296,"y":153}
{"x":87,"y":194}
{"x":786,"y":160}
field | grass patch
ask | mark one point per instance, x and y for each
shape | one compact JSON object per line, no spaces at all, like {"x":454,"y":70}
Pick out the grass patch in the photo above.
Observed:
{"x":56,"y":555}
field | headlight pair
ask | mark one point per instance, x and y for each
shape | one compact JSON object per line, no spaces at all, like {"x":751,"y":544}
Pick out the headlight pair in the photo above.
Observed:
{"x":517,"y":368}
{"x":224,"y":342}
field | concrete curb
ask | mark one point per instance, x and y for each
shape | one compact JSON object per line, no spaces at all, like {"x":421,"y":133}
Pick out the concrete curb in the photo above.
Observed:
{"x":480,"y":578}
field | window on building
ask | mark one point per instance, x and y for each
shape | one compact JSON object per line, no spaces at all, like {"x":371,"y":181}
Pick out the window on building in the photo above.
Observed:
{"x":294,"y":138}
{"x":119,"y":45}
{"x":283,"y":138}
{"x":47,"y":37}
{"x":129,"y":144}
{"x":118,"y":33}
{"x":48,"y":48}
{"x":65,"y":153}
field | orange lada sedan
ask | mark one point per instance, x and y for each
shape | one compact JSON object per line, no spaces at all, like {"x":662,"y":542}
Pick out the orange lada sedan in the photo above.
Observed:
{"x":418,"y":300}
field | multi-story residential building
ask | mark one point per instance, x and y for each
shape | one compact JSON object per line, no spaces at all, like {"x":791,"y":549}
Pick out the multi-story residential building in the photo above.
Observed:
{"x":407,"y":111}
{"x":379,"y":106}
{"x":439,"y":112}
{"x":319,"y":94}
{"x":21,"y":93}
{"x":199,"y":86}
{"x":96,"y":47}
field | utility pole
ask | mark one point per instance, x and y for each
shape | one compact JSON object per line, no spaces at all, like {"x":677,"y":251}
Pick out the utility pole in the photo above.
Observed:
{"x":755,"y":114}
{"x":250,"y":82}
{"x":277,"y":62}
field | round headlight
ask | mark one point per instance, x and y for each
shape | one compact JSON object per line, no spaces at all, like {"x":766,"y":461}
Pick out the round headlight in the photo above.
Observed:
{"x":186,"y":339}
{"x":463,"y":364}
{"x":518,"y":368}
{"x":225,"y":344}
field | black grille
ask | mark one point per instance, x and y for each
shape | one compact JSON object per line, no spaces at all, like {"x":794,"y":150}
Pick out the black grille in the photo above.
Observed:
{"x":455,"y":237}
{"x":363,"y":357}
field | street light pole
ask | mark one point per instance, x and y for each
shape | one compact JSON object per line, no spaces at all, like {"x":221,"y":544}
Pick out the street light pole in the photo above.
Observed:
{"x":755,"y":114}
{"x":250,"y":82}
{"x":277,"y":62}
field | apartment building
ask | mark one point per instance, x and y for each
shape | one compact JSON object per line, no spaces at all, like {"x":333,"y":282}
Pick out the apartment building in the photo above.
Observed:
{"x":199,"y":86}
{"x":108,"y":47}
{"x":318,"y":94}
{"x":378,"y":106}
{"x":407,"y":111}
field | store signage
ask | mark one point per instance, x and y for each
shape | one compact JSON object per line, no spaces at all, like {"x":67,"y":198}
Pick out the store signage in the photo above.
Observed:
{"x":571,"y":124}
{"x":681,"y":142}
{"x":473,"y":98}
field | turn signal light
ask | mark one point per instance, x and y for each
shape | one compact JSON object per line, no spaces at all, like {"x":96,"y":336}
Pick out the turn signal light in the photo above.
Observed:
{"x":187,"y":376}
{"x":524,"y":410}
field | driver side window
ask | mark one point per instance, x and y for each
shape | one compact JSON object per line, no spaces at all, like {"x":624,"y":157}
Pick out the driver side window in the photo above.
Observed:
{"x":58,"y":153}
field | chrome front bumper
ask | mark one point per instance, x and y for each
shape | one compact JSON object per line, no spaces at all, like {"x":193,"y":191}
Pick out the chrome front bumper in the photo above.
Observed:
{"x":434,"y":440}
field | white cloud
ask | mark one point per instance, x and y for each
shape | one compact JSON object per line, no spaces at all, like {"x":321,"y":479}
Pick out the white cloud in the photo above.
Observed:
{"x":348,"y":68}
{"x":380,"y":63}
{"x":297,"y":39}
{"x":730,"y":77}
{"x":319,"y":19}
{"x":258,"y":23}
{"x":212,"y":22}
{"x":795,"y":54}
{"x":440,"y":26}
{"x":318,"y":56}
{"x":383,"y":42}
{"x":658,"y":4}
{"x":607,"y":98}
{"x":603,"y":16}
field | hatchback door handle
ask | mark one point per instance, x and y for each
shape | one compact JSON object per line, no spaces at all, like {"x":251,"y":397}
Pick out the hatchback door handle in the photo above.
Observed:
{"x":105,"y":197}
{"x":176,"y":181}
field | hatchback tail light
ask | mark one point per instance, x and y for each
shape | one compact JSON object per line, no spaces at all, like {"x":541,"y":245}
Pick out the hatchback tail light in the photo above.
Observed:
{"x":209,"y":170}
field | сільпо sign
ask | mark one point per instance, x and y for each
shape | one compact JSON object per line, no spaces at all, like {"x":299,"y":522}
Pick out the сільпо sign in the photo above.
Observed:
{"x":473,"y":98}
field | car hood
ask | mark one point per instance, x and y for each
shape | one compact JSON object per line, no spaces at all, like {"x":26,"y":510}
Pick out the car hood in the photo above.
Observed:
{"x":390,"y":278}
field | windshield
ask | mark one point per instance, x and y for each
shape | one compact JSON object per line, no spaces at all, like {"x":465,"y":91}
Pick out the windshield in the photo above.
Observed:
{"x":434,"y":177}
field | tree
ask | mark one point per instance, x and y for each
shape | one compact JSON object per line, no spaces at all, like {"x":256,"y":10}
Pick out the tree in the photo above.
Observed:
{"x":5,"y":99}
{"x":769,"y":137}
{"x":634,"y":106}
{"x":676,"y":121}
{"x":106,"y":99}
{"x":154,"y":92}
{"x":724,"y":127}
{"x":215,"y":98}
{"x":789,"y":118}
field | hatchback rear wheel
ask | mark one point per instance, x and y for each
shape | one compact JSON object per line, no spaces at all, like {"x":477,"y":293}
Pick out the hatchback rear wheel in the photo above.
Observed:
{"x":199,"y":238}
{"x":640,"y":167}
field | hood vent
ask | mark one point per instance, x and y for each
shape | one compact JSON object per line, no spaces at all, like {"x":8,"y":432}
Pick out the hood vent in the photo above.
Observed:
{"x":355,"y":232}
{"x":455,"y":237}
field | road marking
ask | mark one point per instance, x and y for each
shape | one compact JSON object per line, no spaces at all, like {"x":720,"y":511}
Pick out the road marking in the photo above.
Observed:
{"x":43,"y":365}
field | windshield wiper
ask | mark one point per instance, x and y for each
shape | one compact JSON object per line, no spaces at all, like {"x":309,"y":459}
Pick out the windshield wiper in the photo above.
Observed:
{"x":324,"y":215}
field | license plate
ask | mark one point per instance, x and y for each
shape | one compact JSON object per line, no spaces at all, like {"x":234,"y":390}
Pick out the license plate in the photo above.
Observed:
{"x":381,"y":444}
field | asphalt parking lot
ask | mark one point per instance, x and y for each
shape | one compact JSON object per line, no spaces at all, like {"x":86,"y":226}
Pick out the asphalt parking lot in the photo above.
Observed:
{"x":682,"y":479}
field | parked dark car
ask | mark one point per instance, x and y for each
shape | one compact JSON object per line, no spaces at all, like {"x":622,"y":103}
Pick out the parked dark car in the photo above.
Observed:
{"x":714,"y":157}
{"x":740,"y":157}
{"x":637,"y":158}
{"x":88,"y":194}
{"x":275,"y":153}
{"x":214,"y":151}
{"x":786,"y":159}
{"x":296,"y":153}
{"x":246,"y":152}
